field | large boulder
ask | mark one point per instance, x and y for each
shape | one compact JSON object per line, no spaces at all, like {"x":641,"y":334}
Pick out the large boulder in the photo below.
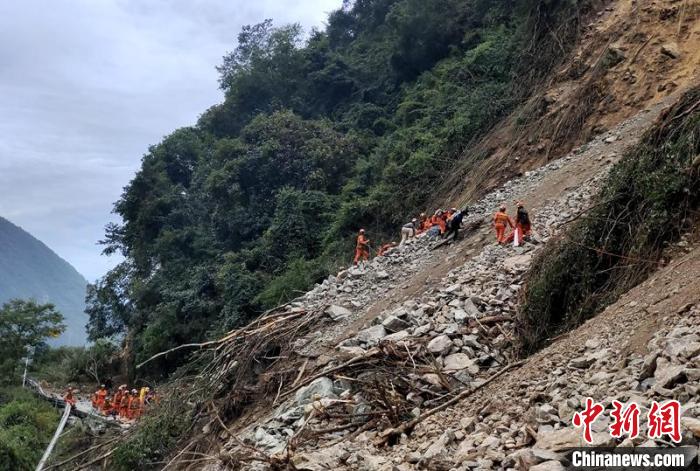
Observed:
{"x":394,"y":324}
{"x":318,"y":389}
{"x":372,"y":335}
{"x":337,"y":312}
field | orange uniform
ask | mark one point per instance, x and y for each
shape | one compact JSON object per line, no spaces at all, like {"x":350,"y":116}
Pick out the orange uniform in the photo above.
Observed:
{"x":101,"y":395}
{"x":124,"y":406}
{"x":361,"y":248}
{"x":134,"y":407}
{"x":439,"y":220}
{"x":500,"y":221}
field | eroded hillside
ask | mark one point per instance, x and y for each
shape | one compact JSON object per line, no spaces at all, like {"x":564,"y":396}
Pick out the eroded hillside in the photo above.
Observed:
{"x":631,"y":56}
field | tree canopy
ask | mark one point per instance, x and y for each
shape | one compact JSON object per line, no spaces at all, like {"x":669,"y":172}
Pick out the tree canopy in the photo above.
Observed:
{"x":24,"y":324}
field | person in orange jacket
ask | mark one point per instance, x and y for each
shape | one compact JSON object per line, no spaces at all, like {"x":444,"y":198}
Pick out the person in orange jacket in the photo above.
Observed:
{"x":117,"y":400}
{"x":361,"y":248}
{"x":500,"y":221}
{"x":439,"y":220}
{"x":106,"y":408}
{"x":69,"y":397}
{"x":124,"y":405}
{"x":134,"y":405}
{"x":424,"y":223}
{"x":101,"y":395}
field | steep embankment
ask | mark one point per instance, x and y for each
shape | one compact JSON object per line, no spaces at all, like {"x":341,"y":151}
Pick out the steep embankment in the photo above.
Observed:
{"x":631,"y":56}
{"x":29,"y":269}
{"x":330,"y":379}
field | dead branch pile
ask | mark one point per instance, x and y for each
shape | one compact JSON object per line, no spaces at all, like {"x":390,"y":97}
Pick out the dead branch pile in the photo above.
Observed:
{"x":257,"y":360}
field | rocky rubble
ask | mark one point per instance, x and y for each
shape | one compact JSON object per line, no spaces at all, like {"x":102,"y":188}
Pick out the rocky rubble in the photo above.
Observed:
{"x":464,"y":324}
{"x":463,"y":328}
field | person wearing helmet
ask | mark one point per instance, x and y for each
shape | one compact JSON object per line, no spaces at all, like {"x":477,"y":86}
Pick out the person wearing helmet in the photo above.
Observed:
{"x":101,"y":395}
{"x":133,"y":412}
{"x":124,"y":404}
{"x":408,"y":231}
{"x":361,"y":248}
{"x":423,"y":223}
{"x":500,"y":221}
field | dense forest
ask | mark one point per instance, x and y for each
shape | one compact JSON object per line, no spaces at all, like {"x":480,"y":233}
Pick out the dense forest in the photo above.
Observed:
{"x":319,"y":134}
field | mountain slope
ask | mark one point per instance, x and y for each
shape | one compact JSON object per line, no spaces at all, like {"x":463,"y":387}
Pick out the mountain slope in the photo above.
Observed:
{"x":30,"y":269}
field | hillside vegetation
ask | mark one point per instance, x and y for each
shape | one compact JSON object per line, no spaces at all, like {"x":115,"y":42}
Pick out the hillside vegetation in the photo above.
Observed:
{"x":353,"y":127}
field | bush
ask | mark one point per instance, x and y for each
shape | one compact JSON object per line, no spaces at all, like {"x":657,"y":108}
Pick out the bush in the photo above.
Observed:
{"x":26,"y":426}
{"x":154,"y":437}
{"x":649,"y":198}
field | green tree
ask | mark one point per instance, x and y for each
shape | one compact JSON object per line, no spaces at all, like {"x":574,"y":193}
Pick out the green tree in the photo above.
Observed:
{"x":24,"y":324}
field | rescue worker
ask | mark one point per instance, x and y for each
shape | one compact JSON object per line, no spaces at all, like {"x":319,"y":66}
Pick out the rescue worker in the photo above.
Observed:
{"x":500,"y":221}
{"x":455,"y":222}
{"x":439,"y":220}
{"x":523,"y":228}
{"x":124,"y":405}
{"x":408,"y":231}
{"x":134,"y":405}
{"x":361,"y":248}
{"x":101,"y":395}
{"x":424,"y":223}
{"x":142,"y":393}
{"x":69,"y":397}
{"x":106,"y":408}
{"x":384,"y":249}
{"x":117,"y":399}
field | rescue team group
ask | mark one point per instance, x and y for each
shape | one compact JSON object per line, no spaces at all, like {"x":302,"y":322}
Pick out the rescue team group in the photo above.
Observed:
{"x":446,"y":223}
{"x":123,"y":404}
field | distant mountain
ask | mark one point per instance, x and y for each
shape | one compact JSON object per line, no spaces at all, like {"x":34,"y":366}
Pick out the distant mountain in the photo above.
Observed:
{"x":29,"y":269}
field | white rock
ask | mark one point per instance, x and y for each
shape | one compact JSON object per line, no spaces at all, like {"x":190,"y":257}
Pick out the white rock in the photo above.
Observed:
{"x":461,"y":361}
{"x":336,"y":312}
{"x":440,"y":345}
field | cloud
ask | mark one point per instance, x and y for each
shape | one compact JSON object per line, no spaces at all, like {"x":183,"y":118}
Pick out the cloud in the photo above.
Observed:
{"x":88,"y":85}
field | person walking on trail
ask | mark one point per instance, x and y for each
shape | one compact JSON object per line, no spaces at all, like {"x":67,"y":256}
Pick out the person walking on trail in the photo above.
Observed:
{"x":523,"y":227}
{"x":455,"y":222}
{"x":361,"y":248}
{"x":408,"y":231}
{"x":500,"y":221}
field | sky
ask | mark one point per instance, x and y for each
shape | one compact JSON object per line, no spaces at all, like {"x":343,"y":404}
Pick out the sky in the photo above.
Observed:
{"x":87,"y":85}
